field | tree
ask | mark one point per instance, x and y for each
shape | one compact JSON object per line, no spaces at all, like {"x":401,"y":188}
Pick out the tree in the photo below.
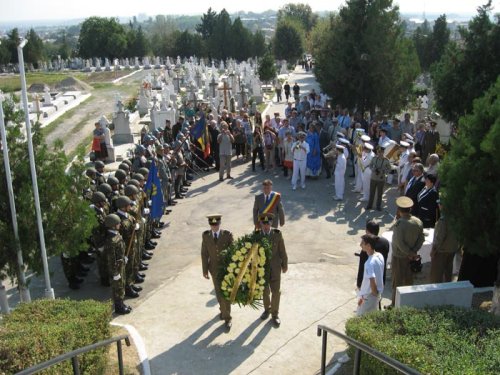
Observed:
{"x":67,"y":218}
{"x":363,"y":60}
{"x":187,"y":44}
{"x":288,"y":40}
{"x":34,"y":50}
{"x":472,"y":198}
{"x":11,"y":43}
{"x":258,"y":44}
{"x":5,"y":55}
{"x":102,"y":37}
{"x":137,"y":42}
{"x":208,"y":21}
{"x":439,"y":39}
{"x":421,"y":38}
{"x":267,"y":68}
{"x":301,"y":13}
{"x":241,"y":41}
{"x":219,"y":43}
{"x":64,"y":49}
{"x":466,"y":71}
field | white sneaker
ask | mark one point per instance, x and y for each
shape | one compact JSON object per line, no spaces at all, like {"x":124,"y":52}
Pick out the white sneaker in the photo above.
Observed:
{"x":303,"y":186}
{"x":294,"y":187}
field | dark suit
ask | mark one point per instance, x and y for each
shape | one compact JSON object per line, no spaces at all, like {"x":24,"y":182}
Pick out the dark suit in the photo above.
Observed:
{"x":279,"y":261}
{"x":278,"y":211}
{"x":415,"y":186}
{"x":427,"y":207}
{"x":210,"y":251}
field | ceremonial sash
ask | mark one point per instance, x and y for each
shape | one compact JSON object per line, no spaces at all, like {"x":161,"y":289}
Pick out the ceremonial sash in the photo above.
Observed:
{"x":271,"y":202}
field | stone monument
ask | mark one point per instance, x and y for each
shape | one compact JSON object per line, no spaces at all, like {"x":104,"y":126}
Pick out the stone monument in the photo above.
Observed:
{"x":121,"y":120}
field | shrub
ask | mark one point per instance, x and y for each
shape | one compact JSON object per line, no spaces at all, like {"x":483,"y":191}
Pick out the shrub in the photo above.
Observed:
{"x":38,"y":331}
{"x":433,"y":340}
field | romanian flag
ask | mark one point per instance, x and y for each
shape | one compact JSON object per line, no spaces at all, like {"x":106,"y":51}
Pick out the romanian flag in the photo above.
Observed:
{"x":200,"y":134}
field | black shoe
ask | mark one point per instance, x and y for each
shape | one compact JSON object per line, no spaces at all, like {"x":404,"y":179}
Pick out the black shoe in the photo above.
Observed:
{"x":138,"y":279}
{"x":144,"y":264}
{"x":230,"y":177}
{"x":154,"y":243}
{"x":142,"y":267}
{"x":167,"y":211}
{"x":179,"y":197}
{"x":74,"y":286}
{"x":122,"y":309}
{"x":129,"y":292}
{"x":146,"y":257}
{"x":182,"y":190}
{"x":149,"y":246}
{"x":155,"y":235}
{"x":148,"y":253}
{"x":188,"y":183}
{"x":220,"y":179}
{"x":84,"y":268}
{"x":77,"y":280}
{"x":265,"y":315}
{"x":228,"y":324}
{"x":276,"y":321}
{"x":160,"y":224}
{"x":368,"y":208}
{"x":172,"y":203}
{"x":136,"y":288}
{"x":143,"y":275}
{"x":105,"y":282}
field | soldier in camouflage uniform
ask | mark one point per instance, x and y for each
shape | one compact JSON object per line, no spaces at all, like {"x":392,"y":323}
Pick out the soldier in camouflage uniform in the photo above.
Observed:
{"x":128,"y":230}
{"x":115,"y":186}
{"x":91,"y":174}
{"x":98,"y":235}
{"x":122,"y":179}
{"x":114,"y":249}
{"x":99,"y":167}
{"x":107,"y":190}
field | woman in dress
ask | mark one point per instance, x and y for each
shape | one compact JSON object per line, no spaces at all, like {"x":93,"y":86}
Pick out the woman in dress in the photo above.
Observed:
{"x":314,"y":156}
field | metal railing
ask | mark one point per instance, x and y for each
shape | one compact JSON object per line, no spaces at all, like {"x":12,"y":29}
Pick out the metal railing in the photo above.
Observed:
{"x":75,"y":353}
{"x":360,"y":348}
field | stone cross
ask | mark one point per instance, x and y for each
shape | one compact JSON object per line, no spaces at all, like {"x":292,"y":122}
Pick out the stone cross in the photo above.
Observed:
{"x":225,"y":88}
{"x":192,"y":91}
{"x":213,"y":85}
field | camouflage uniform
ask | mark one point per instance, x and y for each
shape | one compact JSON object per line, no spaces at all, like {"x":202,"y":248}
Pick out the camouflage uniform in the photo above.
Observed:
{"x":114,"y":249}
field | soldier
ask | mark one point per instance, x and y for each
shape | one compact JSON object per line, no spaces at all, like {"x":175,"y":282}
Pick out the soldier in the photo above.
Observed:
{"x":115,"y":186}
{"x":128,"y":230}
{"x":99,"y":167}
{"x":122,"y":180}
{"x":125,"y":167}
{"x":279,"y":263}
{"x":107,"y":190}
{"x":114,"y":249}
{"x":407,"y":239}
{"x":98,"y":235}
{"x":91,"y":174}
{"x":213,"y":242}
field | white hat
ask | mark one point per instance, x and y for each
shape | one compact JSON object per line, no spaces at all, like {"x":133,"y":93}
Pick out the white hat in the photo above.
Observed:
{"x":340,"y":134}
{"x":340,"y":147}
{"x":410,"y":141}
{"x":408,"y":136}
{"x":344,"y":141}
{"x":302,"y":134}
{"x":385,"y":145}
{"x":367,"y":145}
{"x":365,"y":138}
{"x":404,"y":144}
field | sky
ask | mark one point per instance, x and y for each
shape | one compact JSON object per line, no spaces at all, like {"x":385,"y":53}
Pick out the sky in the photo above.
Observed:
{"x":17,"y":10}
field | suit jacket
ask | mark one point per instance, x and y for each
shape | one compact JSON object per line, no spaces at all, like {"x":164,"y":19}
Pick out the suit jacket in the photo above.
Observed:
{"x":278,"y":211}
{"x":211,"y":249}
{"x":415,"y":185}
{"x":427,"y":207}
{"x":279,"y":259}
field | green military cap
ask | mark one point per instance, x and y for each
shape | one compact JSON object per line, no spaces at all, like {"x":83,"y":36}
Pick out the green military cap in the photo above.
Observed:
{"x":134,"y":182}
{"x":113,"y":181}
{"x":404,"y":202}
{"x":112,"y":220}
{"x":144,"y":171}
{"x":98,"y":197}
{"x":266,"y":218}
{"x":123,"y":201}
{"x":214,"y":219}
{"x":128,"y":162}
{"x":90,"y":171}
{"x":131,"y":190}
{"x":159,"y":148}
{"x":98,"y":164}
{"x":137,"y":176}
{"x":120,"y":174}
{"x":106,"y":188}
{"x":124,"y":167}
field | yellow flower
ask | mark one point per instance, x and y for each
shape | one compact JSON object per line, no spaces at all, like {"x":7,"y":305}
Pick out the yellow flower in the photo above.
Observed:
{"x":232,"y":265}
{"x":261,"y":272}
{"x":261,"y":250}
{"x":262,"y":281}
{"x":242,"y":258}
{"x":237,"y":253}
{"x":229,"y":269}
{"x":237,"y":271}
{"x":234,"y":258}
{"x":248,"y":245}
{"x":243,"y":250}
{"x":224,"y":283}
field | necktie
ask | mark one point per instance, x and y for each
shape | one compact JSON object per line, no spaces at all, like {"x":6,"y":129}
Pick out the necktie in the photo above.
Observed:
{"x":215,"y":237}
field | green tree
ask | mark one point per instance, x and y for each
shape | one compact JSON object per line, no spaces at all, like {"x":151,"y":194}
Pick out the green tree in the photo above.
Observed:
{"x":138,"y":44}
{"x":241,"y":41}
{"x":363,"y":60}
{"x":33,"y":51}
{"x":11,"y":43}
{"x":421,"y":39}
{"x":64,"y":49}
{"x":5,"y":54}
{"x":267,"y":68}
{"x":220,"y":41}
{"x":439,"y":38}
{"x":466,"y":71}
{"x":102,"y":37}
{"x":469,"y":185}
{"x":67,"y":218}
{"x":187,"y":44}
{"x":288,"y":40}
{"x":208,"y":21}
{"x":258,"y":44}
{"x":301,"y":13}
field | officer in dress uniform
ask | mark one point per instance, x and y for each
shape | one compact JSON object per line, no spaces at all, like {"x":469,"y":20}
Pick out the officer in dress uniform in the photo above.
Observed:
{"x":279,"y":263}
{"x":114,"y":250}
{"x":407,"y":239}
{"x":213,"y":242}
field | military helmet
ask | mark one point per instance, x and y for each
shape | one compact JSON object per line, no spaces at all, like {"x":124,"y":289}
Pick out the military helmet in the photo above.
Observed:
{"x":139,"y":149}
{"x":134,"y":182}
{"x":90,"y":172}
{"x":120,"y":174}
{"x":128,"y":162}
{"x":98,"y":164}
{"x":98,"y":197}
{"x":123,"y":201}
{"x":137,"y":176}
{"x":124,"y":167}
{"x":131,"y":190}
{"x":160,"y":129}
{"x":144,"y":171}
{"x":113,"y":181}
{"x":112,"y":220}
{"x":156,"y":133}
{"x":105,"y":188}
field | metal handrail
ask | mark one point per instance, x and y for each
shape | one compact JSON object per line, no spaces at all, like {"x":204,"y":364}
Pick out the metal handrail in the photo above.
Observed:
{"x":360,"y":347}
{"x":73,"y":355}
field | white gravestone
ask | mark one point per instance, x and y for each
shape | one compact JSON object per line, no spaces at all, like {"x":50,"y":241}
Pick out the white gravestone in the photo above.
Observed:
{"x":47,"y":98}
{"x":143,"y":103}
{"x":121,"y":120}
{"x":454,"y":293}
{"x":107,"y":139}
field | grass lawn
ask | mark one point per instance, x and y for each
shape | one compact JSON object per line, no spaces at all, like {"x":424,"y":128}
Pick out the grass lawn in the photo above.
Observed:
{"x":12,"y":83}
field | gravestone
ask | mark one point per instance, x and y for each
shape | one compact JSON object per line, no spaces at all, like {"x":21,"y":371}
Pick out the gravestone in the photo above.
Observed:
{"x":98,"y":67}
{"x":454,"y":293}
{"x":121,"y":120}
{"x":146,"y":63}
{"x":107,"y":139}
{"x":257,"y":91}
{"x":284,"y":69}
{"x":157,"y":62}
{"x":136,"y":63}
{"x":143,"y":102}
{"x":47,"y":98}
{"x":107,"y":66}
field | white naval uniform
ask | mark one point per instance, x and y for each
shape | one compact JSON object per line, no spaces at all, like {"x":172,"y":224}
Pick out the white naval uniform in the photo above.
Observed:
{"x":367,"y":173}
{"x":299,"y":162}
{"x":403,"y":159}
{"x":340,"y":168}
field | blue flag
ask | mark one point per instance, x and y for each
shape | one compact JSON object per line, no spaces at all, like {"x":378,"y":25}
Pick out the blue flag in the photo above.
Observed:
{"x":154,"y":192}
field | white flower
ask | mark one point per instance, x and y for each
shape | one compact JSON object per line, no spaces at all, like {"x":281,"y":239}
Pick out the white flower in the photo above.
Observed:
{"x":248,"y":245}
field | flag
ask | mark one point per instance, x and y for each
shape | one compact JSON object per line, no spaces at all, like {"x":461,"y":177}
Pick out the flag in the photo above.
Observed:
{"x":200,"y":134}
{"x":154,"y":192}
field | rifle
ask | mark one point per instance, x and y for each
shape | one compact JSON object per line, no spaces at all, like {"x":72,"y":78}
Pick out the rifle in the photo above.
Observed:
{"x":130,"y":243}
